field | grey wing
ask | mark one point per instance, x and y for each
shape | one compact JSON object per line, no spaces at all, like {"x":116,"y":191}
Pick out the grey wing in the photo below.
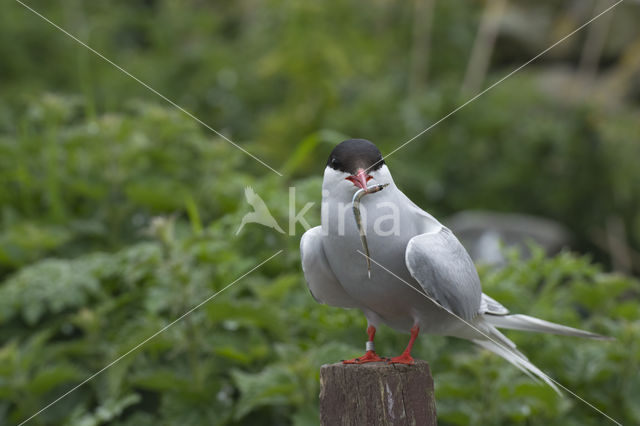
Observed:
{"x":322,"y":283}
{"x":443,"y":268}
{"x":491,"y":306}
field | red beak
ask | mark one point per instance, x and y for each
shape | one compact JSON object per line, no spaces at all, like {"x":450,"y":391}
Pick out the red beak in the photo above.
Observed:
{"x":360,"y":179}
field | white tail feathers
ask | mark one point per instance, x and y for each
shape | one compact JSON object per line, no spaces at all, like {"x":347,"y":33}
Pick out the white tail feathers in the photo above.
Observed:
{"x":515,"y":357}
{"x":499,"y":344}
{"x":527,"y":323}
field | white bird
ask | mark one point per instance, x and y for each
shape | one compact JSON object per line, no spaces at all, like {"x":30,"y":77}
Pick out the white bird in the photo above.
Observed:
{"x":410,"y":252}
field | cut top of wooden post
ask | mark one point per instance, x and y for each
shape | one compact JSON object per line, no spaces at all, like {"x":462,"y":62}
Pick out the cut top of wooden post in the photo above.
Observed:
{"x":377,"y":393}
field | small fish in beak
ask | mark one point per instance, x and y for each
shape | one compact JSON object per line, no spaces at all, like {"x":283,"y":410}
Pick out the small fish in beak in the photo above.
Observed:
{"x":364,"y":190}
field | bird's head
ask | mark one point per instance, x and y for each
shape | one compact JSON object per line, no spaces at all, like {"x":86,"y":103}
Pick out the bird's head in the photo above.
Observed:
{"x":353,"y":163}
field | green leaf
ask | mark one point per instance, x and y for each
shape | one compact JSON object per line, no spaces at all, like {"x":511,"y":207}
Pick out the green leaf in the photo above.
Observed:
{"x":275,"y":385}
{"x":53,"y":376}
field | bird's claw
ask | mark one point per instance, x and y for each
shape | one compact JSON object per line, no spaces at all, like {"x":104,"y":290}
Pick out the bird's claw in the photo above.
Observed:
{"x":402,"y":359}
{"x":370,"y":356}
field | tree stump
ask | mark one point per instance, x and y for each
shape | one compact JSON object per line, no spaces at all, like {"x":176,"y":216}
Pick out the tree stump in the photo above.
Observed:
{"x":377,"y":393}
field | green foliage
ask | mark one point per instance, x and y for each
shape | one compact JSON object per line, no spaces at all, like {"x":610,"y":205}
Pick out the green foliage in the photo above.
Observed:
{"x":252,"y":354}
{"x":118,"y":214}
{"x":272,"y":75}
{"x":102,"y":179}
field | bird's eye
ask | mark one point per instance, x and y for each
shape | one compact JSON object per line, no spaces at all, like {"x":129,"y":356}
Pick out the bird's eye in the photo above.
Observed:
{"x":334,"y":161}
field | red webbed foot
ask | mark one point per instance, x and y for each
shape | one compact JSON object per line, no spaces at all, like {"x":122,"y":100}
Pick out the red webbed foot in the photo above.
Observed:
{"x":402,"y":359}
{"x":370,"y":356}
{"x":406,"y":357}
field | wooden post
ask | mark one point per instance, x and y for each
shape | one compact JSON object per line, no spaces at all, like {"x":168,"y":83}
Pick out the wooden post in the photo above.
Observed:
{"x":377,"y":393}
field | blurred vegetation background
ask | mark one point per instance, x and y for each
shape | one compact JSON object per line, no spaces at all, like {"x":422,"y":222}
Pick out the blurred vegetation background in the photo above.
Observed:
{"x":118,"y":213}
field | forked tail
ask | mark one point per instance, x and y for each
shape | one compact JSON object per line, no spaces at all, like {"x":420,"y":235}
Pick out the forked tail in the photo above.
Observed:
{"x":527,"y":323}
{"x":499,"y":344}
{"x":515,"y":357}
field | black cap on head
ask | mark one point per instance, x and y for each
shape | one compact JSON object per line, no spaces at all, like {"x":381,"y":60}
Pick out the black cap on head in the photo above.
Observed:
{"x":354,"y":154}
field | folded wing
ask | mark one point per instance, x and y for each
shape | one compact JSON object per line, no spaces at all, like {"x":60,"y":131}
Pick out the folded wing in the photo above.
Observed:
{"x":322,"y":283}
{"x":443,"y":268}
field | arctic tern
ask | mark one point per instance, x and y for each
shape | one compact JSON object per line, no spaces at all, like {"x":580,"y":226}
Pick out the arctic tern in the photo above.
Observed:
{"x":410,"y":251}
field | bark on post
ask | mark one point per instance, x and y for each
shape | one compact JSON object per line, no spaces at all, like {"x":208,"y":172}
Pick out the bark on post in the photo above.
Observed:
{"x":377,"y":393}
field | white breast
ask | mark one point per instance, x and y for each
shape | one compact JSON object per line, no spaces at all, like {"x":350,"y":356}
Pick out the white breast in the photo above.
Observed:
{"x":390,"y":224}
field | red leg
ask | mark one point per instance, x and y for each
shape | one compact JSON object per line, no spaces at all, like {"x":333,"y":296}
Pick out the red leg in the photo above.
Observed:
{"x":370,"y":355}
{"x":406,"y":357}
